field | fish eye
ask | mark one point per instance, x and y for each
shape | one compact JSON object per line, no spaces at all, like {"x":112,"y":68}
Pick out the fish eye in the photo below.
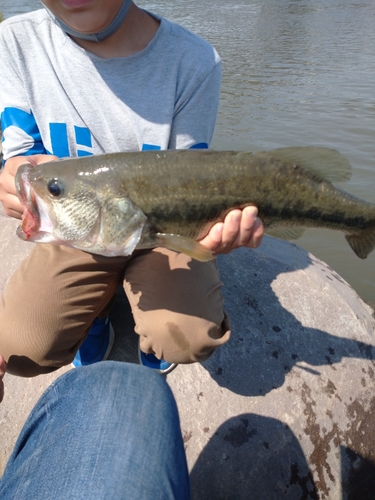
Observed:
{"x":55,"y":187}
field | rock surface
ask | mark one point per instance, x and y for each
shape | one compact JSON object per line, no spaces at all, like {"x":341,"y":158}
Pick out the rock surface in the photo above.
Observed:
{"x":285,"y":409}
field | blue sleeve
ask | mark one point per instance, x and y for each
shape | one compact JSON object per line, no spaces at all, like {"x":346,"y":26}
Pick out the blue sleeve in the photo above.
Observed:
{"x":20,"y":133}
{"x":20,"y":127}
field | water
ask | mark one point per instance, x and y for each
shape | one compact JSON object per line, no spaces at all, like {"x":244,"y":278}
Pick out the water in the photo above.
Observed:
{"x":11,"y":8}
{"x":295,"y":73}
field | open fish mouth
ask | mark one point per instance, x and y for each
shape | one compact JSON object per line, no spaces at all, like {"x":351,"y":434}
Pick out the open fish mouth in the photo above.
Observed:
{"x":35,"y":224}
{"x":30,"y":223}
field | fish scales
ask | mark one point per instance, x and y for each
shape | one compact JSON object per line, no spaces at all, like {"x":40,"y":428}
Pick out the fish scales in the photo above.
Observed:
{"x":147,"y":199}
{"x":198,"y":193}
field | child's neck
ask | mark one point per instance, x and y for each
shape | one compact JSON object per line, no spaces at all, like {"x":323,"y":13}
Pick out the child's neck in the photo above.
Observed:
{"x":136,"y":32}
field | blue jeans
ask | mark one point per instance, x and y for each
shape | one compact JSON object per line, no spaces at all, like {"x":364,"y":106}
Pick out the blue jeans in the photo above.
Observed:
{"x":105,"y":431}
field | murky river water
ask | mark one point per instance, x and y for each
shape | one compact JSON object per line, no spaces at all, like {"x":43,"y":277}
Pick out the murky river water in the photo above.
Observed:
{"x":296,"y":73}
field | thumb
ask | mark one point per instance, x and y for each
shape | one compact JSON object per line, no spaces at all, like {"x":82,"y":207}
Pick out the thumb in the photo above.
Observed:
{"x":38,"y":159}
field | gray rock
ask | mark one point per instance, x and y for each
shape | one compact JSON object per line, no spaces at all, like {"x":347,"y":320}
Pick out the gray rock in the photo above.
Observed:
{"x":285,"y":409}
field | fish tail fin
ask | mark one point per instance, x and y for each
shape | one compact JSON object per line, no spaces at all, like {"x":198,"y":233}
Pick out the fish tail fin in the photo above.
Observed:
{"x":362,"y":243}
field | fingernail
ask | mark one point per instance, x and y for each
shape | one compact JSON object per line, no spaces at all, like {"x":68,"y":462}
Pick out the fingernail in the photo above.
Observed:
{"x":251,"y":211}
{"x":219,"y":228}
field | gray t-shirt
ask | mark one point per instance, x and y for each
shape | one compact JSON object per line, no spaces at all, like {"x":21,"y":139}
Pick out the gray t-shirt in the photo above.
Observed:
{"x":57,"y":98}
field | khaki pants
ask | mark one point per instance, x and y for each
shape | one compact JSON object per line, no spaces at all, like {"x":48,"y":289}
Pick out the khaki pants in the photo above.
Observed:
{"x":51,"y":301}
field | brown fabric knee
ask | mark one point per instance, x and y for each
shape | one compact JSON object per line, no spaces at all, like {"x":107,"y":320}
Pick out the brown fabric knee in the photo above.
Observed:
{"x":51,"y":301}
{"x":49,"y":305}
{"x":181,"y":339}
{"x":177,"y":305}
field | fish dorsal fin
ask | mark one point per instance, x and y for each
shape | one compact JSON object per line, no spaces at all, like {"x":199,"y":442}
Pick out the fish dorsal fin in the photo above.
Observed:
{"x":185,"y":245}
{"x":325,"y":163}
{"x":285,"y":233}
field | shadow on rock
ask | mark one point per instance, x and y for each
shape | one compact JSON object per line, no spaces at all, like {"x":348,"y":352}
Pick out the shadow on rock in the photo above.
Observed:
{"x":251,"y":456}
{"x":267,"y":340}
{"x":358,"y":475}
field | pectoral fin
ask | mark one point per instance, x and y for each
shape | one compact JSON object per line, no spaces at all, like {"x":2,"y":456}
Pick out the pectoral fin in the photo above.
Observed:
{"x":184,"y":245}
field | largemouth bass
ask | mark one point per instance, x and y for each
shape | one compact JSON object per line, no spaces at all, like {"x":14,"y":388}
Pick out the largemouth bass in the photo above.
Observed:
{"x":113,"y":203}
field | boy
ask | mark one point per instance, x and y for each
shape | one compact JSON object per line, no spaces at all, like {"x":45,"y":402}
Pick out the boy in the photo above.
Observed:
{"x":86,"y":77}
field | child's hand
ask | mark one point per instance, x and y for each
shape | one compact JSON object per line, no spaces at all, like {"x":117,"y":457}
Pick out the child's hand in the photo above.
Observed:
{"x":3,"y":368}
{"x":8,"y":193}
{"x":240,"y":228}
